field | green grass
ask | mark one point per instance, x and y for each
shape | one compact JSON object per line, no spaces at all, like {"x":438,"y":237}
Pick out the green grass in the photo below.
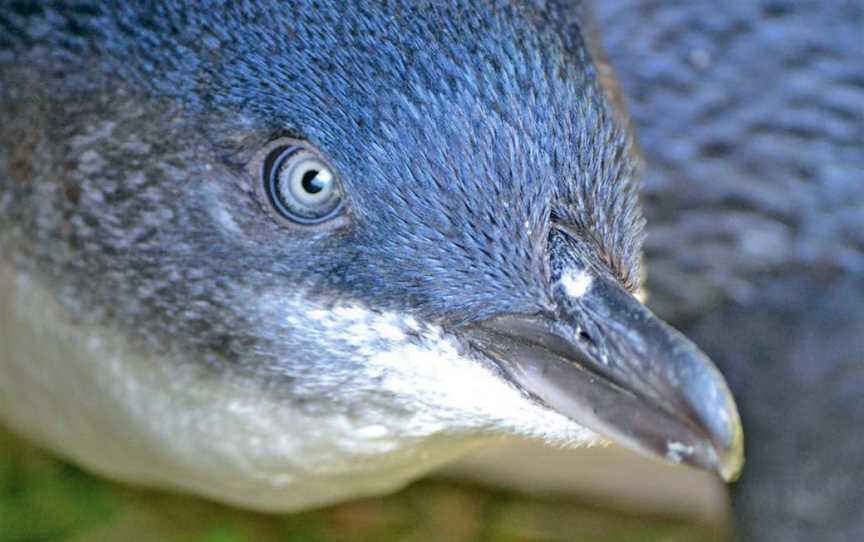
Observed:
{"x":44,"y":499}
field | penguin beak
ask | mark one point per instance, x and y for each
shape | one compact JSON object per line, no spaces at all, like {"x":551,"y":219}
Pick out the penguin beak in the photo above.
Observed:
{"x":605,"y":361}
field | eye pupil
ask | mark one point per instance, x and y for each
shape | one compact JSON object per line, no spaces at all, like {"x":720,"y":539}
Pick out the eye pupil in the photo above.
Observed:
{"x":312,"y":182}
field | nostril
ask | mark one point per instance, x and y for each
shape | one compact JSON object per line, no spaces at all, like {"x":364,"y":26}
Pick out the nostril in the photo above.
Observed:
{"x":584,"y":336}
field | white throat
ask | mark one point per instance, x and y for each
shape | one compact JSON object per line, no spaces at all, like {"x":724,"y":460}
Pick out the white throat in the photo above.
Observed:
{"x":84,"y":393}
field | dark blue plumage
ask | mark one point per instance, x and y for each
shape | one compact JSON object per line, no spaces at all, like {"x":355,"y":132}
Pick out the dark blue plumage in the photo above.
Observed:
{"x":494,"y":107}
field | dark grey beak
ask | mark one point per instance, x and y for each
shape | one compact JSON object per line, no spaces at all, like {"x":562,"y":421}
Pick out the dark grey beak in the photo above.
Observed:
{"x":605,"y":361}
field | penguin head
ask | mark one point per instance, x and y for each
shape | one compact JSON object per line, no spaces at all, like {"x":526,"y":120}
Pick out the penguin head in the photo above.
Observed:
{"x":420,"y":221}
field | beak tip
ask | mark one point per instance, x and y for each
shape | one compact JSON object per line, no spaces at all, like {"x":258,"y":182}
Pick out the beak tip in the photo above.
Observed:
{"x":730,"y":454}
{"x":712,"y":408}
{"x":730,"y":462}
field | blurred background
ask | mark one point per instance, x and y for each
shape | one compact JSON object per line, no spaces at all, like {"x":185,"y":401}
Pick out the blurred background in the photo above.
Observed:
{"x":751,"y":120}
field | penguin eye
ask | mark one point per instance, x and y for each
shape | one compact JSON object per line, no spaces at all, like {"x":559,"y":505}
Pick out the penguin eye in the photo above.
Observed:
{"x":300,"y":186}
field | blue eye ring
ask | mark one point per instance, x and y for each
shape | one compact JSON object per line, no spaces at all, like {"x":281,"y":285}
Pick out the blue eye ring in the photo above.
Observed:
{"x":300,"y":186}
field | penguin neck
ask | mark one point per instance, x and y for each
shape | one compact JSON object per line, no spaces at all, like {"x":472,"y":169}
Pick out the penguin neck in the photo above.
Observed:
{"x":86,"y":394}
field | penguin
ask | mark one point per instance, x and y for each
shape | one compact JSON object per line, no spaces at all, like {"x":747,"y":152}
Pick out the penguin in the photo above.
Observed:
{"x":283,"y":254}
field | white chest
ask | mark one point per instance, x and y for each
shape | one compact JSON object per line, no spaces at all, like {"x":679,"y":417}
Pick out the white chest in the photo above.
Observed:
{"x":84,"y":394}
